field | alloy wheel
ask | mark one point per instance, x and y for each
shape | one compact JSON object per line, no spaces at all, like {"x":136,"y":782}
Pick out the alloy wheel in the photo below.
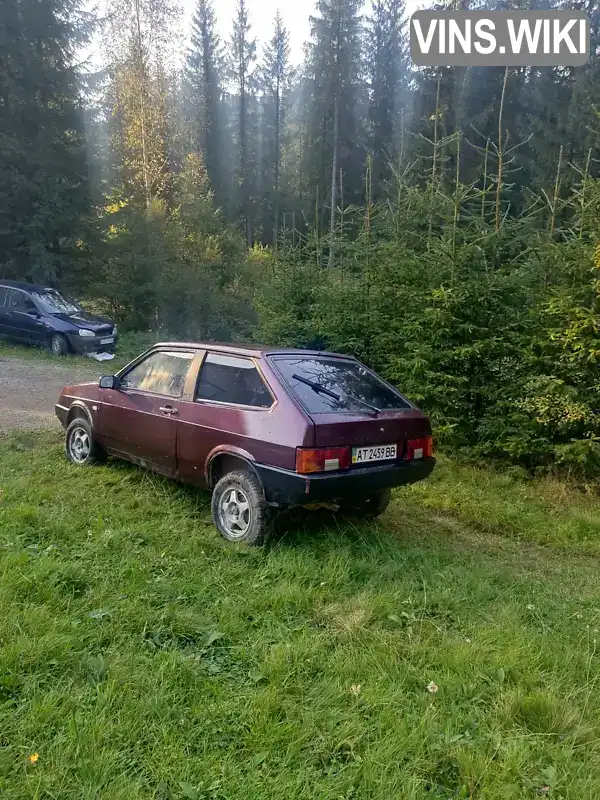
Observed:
{"x":235,"y":512}
{"x":79,"y":445}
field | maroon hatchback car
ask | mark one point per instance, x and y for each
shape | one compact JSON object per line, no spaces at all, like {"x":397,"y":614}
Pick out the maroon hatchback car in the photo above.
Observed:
{"x":262,"y":428}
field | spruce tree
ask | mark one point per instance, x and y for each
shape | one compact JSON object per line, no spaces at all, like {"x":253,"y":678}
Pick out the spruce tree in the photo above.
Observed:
{"x":276,"y":75}
{"x":335,"y":151}
{"x":242,"y":58}
{"x":387,"y":68}
{"x":205,"y":63}
{"x":43,"y":169}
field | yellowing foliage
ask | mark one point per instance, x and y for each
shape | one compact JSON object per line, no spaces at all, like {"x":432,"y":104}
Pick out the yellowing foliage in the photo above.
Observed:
{"x":114,"y":208}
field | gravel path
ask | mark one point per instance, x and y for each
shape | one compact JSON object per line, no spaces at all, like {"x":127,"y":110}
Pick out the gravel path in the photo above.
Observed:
{"x":29,"y":388}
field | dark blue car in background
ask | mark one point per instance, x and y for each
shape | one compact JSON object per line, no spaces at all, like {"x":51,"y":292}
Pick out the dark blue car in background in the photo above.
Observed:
{"x":42,"y":316}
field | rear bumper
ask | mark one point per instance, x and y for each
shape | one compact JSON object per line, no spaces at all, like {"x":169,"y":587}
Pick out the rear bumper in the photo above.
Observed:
{"x":91,"y":344}
{"x":285,"y":488}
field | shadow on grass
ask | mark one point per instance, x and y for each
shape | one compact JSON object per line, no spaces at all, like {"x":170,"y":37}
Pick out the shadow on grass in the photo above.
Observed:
{"x":287,"y":521}
{"x":296,"y":527}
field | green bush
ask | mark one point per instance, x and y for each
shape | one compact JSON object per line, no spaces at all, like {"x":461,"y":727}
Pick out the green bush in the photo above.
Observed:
{"x":493,"y":333}
{"x":181,"y":271}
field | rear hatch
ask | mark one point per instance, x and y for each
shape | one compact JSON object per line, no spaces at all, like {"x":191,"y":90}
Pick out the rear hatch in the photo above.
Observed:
{"x":360,"y":430}
{"x":351,"y":406}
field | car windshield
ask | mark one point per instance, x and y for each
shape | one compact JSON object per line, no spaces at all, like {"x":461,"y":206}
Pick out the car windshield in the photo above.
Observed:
{"x":53,"y":302}
{"x":325,"y":384}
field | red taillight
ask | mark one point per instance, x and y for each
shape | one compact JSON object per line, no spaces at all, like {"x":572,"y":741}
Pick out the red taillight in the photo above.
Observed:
{"x":419,"y":448}
{"x":322,"y":460}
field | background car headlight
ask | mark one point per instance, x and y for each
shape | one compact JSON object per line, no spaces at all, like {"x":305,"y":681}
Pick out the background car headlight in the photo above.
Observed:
{"x":114,"y":333}
{"x":84,"y":332}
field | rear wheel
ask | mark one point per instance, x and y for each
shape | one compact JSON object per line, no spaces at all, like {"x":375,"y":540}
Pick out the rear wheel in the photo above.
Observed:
{"x":58,"y":345}
{"x":239,"y":509}
{"x":80,"y":446}
{"x":367,"y":507}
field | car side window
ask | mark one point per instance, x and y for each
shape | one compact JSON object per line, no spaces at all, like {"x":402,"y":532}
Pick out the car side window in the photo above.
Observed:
{"x":160,"y":373}
{"x":232,"y":379}
{"x":18,"y":301}
{"x":3,"y":296}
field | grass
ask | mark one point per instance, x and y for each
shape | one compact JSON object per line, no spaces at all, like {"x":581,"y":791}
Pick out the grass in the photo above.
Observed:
{"x":143,"y":657}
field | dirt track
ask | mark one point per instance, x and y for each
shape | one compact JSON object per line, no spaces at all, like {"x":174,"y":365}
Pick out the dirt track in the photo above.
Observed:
{"x":29,"y":388}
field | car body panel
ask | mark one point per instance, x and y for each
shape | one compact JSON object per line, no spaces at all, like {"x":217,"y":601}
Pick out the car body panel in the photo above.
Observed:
{"x":126,"y":424}
{"x":24,"y":326}
{"x":131,"y":424}
{"x":134,"y":425}
{"x":208,"y":430}
{"x":355,"y":429}
{"x":85,"y":397}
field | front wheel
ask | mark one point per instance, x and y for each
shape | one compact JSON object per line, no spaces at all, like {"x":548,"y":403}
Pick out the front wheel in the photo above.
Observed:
{"x":80,"y":446}
{"x":239,"y":509}
{"x":58,"y":345}
{"x":367,"y":507}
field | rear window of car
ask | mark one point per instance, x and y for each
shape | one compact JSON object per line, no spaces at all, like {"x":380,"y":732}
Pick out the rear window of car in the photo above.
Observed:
{"x":356,"y":387}
{"x":233,"y":380}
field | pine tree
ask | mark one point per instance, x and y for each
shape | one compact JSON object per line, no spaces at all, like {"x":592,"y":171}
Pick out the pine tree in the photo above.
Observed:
{"x":43,"y":168}
{"x":204,"y":76}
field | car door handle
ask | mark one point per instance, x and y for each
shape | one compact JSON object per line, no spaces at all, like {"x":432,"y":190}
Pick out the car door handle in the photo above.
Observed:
{"x":169,"y":410}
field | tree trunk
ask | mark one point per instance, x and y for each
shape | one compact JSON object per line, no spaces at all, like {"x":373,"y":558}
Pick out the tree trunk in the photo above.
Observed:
{"x":334,"y":171}
{"x":142,"y":89}
{"x":434,"y":162}
{"x":243,"y":157}
{"x":277,"y":157}
{"x":500,"y":154}
{"x":556,"y":191}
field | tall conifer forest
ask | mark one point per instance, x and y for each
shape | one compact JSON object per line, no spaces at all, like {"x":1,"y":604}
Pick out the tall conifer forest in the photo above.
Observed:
{"x":443,"y":225}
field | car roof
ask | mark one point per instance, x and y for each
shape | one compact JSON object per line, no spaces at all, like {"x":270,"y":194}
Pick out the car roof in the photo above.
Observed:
{"x":26,"y":287}
{"x":249,"y":349}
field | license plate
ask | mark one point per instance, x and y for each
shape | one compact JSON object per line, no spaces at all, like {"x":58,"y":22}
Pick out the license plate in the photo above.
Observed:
{"x":383,"y":452}
{"x":110,"y":340}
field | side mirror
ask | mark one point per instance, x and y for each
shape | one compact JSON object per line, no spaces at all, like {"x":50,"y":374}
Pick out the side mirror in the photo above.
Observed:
{"x":109,"y":382}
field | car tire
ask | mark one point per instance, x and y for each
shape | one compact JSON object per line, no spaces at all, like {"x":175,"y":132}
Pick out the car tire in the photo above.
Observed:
{"x":58,"y":345}
{"x":369,"y":507}
{"x":80,"y":445}
{"x":239,"y":509}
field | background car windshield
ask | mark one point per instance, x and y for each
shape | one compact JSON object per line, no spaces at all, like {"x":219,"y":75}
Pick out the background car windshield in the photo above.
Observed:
{"x":348,"y":379}
{"x":55,"y":303}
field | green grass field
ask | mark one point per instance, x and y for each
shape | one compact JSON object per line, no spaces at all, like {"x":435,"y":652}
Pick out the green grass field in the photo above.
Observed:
{"x":143,"y":657}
